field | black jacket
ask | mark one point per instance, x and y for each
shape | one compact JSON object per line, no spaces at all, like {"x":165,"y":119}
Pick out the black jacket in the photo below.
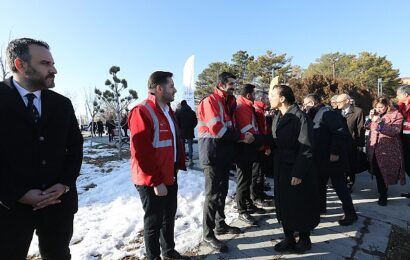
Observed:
{"x":296,"y":206}
{"x":187,"y":121}
{"x":355,"y":123}
{"x":38,"y":156}
{"x":329,"y":134}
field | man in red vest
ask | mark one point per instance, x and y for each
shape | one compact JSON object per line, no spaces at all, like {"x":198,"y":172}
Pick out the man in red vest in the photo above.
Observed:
{"x":157,"y":153}
{"x":403,"y":98}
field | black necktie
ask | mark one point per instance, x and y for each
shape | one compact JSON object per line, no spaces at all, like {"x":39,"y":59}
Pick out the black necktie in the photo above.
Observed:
{"x":32,"y":110}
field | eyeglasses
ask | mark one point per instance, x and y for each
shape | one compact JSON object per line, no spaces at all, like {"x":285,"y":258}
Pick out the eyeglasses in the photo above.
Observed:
{"x":232,"y":83}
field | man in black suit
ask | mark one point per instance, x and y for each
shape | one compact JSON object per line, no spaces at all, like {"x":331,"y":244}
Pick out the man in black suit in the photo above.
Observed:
{"x":38,"y":166}
{"x":330,"y":155}
{"x":355,"y":123}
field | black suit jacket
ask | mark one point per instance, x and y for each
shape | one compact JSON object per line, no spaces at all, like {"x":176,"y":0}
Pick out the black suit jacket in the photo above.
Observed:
{"x":355,"y":123}
{"x":37,"y":156}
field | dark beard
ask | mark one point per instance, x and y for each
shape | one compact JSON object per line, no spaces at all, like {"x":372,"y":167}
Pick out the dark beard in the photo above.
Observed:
{"x":35,"y":81}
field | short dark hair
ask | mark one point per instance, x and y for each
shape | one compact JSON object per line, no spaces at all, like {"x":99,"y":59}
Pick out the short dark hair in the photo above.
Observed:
{"x":247,"y":89}
{"x":158,"y":78}
{"x":286,"y":92}
{"x":184,"y":103}
{"x":19,"y":48}
{"x":405,"y":89}
{"x":260,"y":94}
{"x":315,"y":97}
{"x":224,"y":76}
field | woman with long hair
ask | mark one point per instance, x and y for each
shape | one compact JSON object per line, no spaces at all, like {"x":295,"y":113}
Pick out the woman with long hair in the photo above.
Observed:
{"x":384,"y":147}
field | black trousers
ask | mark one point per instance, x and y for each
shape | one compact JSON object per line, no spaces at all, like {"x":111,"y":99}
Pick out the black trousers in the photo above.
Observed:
{"x":381,"y":185}
{"x":258,"y":177}
{"x":243,"y":188}
{"x":290,"y":233}
{"x":53,"y":226}
{"x":159,"y":220}
{"x":334,"y":171}
{"x":216,"y":190}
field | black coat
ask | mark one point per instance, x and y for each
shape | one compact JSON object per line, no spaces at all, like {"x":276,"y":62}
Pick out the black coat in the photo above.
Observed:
{"x":355,"y":124}
{"x":187,"y":121}
{"x":296,"y":206}
{"x":330,"y":137}
{"x":37,"y":156}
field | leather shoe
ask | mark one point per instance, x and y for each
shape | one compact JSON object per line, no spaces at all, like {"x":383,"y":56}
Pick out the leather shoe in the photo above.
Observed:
{"x":174,"y":255}
{"x":382,"y":201}
{"x":216,"y":244}
{"x":406,"y":195}
{"x":251,"y":209}
{"x":248,"y":219}
{"x":286,"y":245}
{"x":304,"y":244}
{"x":262,"y":203}
{"x":226,"y":229}
{"x":347,"y":220}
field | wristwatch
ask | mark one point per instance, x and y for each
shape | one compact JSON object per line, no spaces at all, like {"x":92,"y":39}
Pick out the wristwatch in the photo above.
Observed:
{"x":67,"y":189}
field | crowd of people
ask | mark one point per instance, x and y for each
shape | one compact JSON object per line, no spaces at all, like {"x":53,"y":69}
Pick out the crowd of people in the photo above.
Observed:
{"x":308,"y":144}
{"x":99,"y":128}
{"x":304,"y":145}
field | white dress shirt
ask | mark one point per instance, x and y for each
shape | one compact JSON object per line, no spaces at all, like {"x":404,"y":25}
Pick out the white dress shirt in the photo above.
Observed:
{"x":171,"y":124}
{"x":23,"y":92}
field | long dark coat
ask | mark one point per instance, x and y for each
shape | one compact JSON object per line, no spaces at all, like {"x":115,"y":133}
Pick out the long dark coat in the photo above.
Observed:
{"x":38,"y":156}
{"x":187,"y":121}
{"x":296,"y":206}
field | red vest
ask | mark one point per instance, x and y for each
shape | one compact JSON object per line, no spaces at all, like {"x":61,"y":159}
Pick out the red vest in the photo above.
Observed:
{"x":152,"y":145}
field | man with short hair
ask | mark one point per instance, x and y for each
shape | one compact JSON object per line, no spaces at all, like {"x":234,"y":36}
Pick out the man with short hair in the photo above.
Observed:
{"x":330,"y":154}
{"x":333,"y":102}
{"x":187,"y":122}
{"x":355,"y":123}
{"x":246,"y":122}
{"x":38,"y":166}
{"x":157,"y":153}
{"x":259,"y":168}
{"x":216,"y":139}
{"x":403,"y":99}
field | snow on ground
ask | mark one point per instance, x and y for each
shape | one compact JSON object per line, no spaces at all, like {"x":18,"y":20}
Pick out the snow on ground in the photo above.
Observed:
{"x":109,"y":221}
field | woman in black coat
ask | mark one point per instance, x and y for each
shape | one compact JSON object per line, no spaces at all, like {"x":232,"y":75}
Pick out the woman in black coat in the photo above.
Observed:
{"x":296,"y":194}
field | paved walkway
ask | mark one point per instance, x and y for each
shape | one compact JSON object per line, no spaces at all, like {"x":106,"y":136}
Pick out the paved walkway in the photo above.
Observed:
{"x":365,"y":239}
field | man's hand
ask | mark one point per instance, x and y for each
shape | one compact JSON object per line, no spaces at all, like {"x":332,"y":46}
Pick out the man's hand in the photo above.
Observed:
{"x":161,"y":190}
{"x":54,"y":192}
{"x":295,"y":181}
{"x":268,"y":152}
{"x":334,"y":158}
{"x":248,"y":138}
{"x":33,"y":197}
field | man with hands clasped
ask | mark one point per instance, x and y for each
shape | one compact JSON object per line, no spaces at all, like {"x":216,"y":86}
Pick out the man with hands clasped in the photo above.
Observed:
{"x":38,"y":166}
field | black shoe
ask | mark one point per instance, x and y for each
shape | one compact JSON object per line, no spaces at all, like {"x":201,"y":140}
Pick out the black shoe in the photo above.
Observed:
{"x":216,"y":244}
{"x":248,"y":219}
{"x":286,"y":245}
{"x":382,"y":201}
{"x":174,"y":255}
{"x":406,"y":195}
{"x":347,"y":220}
{"x":262,"y":203}
{"x":303,"y":245}
{"x":225,"y":229}
{"x":267,"y":197}
{"x":251,"y":209}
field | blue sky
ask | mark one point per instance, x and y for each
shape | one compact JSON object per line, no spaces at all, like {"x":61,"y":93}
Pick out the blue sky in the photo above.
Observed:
{"x":87,"y":37}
